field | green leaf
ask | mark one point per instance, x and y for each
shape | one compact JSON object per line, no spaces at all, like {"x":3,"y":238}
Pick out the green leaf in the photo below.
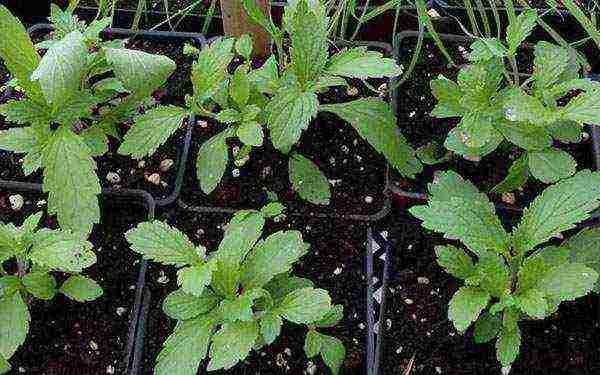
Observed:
{"x":584,"y":248}
{"x":375,"y":122}
{"x":70,"y":181}
{"x":487,"y":328}
{"x":458,"y":210}
{"x":557,"y":209}
{"x":96,"y":140}
{"x":518,"y":173}
{"x":526,"y":135}
{"x":273,"y":209}
{"x":521,"y":107}
{"x":40,"y":284}
{"x":584,"y":109}
{"x":270,"y":327}
{"x":151,"y":130}
{"x":240,"y":237}
{"x":551,"y":165}
{"x":493,"y":274}
{"x":31,"y":223}
{"x":23,"y":140}
{"x":273,"y":256}
{"x":483,"y":49}
{"x":239,"y":308}
{"x":305,"y":305}
{"x":284,"y":284}
{"x":17,"y":52}
{"x":312,"y":343}
{"x":447,"y":93}
{"x":360,"y":63}
{"x":209,"y":72}
{"x":433,"y":153}
{"x":162,"y":243}
{"x":456,"y":142}
{"x":518,"y":31}
{"x":243,"y":46}
{"x":333,"y":353}
{"x":61,"y":70}
{"x":565,"y":131}
{"x":9,"y":285}
{"x":465,"y":307}
{"x":251,"y":133}
{"x":14,"y":323}
{"x":193,"y":280}
{"x":479,"y":83}
{"x":185,"y":348}
{"x":62,"y":251}
{"x":228,"y":116}
{"x":508,"y":343}
{"x":306,"y":179}
{"x":550,"y":62}
{"x":333,"y":316}
{"x":266,"y":78}
{"x":568,"y":282}
{"x":81,"y":289}
{"x":455,"y":261}
{"x":212,"y":162}
{"x":232,"y":344}
{"x":183,"y":306}
{"x":477,"y":130}
{"x":533,"y":303}
{"x":289,"y":112}
{"x":25,"y":111}
{"x":140,"y":72}
{"x":8,"y":239}
{"x":4,"y":365}
{"x":308,"y":36}
{"x":256,"y":15}
{"x":239,"y":87}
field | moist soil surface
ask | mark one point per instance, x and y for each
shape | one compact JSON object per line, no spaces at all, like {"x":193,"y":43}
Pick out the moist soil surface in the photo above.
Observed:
{"x":135,"y":174}
{"x":415,"y":103}
{"x":68,"y":337}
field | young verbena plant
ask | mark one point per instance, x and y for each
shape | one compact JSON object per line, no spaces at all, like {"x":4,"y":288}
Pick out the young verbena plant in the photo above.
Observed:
{"x":283,"y":97}
{"x":28,"y":259}
{"x":75,"y":96}
{"x":496,"y":105}
{"x":513,"y":276}
{"x":235,"y":299}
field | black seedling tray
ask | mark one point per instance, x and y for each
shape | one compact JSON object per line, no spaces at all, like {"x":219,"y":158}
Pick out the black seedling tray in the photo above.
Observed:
{"x":127,"y":196}
{"x":184,"y":146}
{"x":421,"y":195}
{"x":386,"y":204}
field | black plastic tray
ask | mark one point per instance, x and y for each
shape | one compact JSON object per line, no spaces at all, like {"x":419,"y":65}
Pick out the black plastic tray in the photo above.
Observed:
{"x":386,"y":207}
{"x":421,"y":195}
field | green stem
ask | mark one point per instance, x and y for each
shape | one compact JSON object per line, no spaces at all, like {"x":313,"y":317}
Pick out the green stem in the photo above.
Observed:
{"x":472,"y":19}
{"x":424,"y":17}
{"x":583,"y":20}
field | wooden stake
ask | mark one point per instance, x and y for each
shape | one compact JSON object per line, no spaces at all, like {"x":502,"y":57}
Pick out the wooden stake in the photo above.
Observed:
{"x":236,"y":23}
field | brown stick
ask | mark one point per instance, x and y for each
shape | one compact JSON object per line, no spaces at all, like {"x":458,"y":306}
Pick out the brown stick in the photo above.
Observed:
{"x":236,"y":23}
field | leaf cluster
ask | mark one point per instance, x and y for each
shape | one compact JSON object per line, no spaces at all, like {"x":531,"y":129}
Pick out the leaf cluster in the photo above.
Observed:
{"x":511,"y":276}
{"x":76,"y":95}
{"x":495,"y":106}
{"x":235,"y":299}
{"x":35,"y":256}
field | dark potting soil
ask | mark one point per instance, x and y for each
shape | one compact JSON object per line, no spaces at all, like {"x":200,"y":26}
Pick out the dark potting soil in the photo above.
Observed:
{"x":415,"y":103}
{"x":132,"y":173}
{"x":68,"y":337}
{"x":335,"y":263}
{"x":567,"y":343}
{"x":356,"y":172}
{"x":174,"y":6}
